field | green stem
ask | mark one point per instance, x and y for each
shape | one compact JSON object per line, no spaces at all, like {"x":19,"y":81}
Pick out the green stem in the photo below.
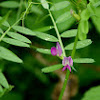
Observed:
{"x":72,"y":55}
{"x":8,"y":30}
{"x":25,"y":13}
{"x":60,"y":41}
{"x":40,"y":20}
{"x":64,"y":85}
{"x":57,"y":32}
{"x":68,"y":72}
{"x":35,"y":3}
{"x":75,"y":44}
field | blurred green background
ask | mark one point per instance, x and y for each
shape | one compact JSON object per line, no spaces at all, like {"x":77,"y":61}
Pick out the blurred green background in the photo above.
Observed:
{"x":28,"y":80}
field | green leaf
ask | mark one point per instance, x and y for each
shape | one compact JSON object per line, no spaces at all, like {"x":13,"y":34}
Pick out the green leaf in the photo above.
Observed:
{"x":79,"y":4}
{"x":9,"y":4}
{"x":93,"y":1}
{"x":81,"y":35}
{"x":1,"y":31}
{"x":63,"y":17}
{"x":29,"y":1}
{"x":97,"y":4}
{"x":85,"y":14}
{"x":24,"y":30}
{"x":96,"y":20}
{"x":9,"y":55}
{"x":83,"y":60}
{"x":92,"y":94}
{"x":15,"y":42}
{"x":84,"y":26}
{"x":80,"y":44}
{"x":59,"y":5}
{"x":45,"y":51}
{"x":9,"y":89}
{"x":73,"y":68}
{"x":5,"y":23}
{"x":69,"y":33}
{"x":1,"y":89}
{"x":3,"y":19}
{"x":18,"y":37}
{"x":6,"y":90}
{"x":52,"y":68}
{"x":36,"y":9}
{"x":43,"y":29}
{"x":3,"y":80}
{"x":91,"y":8}
{"x":44,"y":4}
{"x":46,"y":37}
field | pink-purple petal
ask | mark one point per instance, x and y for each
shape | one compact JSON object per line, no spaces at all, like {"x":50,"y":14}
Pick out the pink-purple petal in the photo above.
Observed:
{"x":67,"y":62}
{"x":69,"y":68}
{"x":70,"y":61}
{"x":64,"y":68}
{"x":64,"y":61}
{"x":54,"y":51}
{"x":59,"y":49}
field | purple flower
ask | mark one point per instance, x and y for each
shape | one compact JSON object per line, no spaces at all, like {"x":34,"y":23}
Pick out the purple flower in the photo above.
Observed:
{"x":56,"y":50}
{"x":67,"y":62}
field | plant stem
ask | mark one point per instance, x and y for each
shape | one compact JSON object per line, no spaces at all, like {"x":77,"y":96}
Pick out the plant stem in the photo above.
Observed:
{"x":35,"y":3}
{"x":64,"y":85}
{"x":75,"y":44}
{"x":3,"y":35}
{"x":25,"y":13}
{"x":68,"y":72}
{"x":57,"y":32}
{"x":72,"y":55}
{"x":60,"y":41}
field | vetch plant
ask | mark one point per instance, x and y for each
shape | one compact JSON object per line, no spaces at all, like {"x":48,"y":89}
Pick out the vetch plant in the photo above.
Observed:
{"x":79,"y":9}
{"x":81,"y":34}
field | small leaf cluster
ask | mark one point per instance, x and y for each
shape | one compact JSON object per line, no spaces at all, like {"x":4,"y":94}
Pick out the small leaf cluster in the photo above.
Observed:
{"x":83,"y":28}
